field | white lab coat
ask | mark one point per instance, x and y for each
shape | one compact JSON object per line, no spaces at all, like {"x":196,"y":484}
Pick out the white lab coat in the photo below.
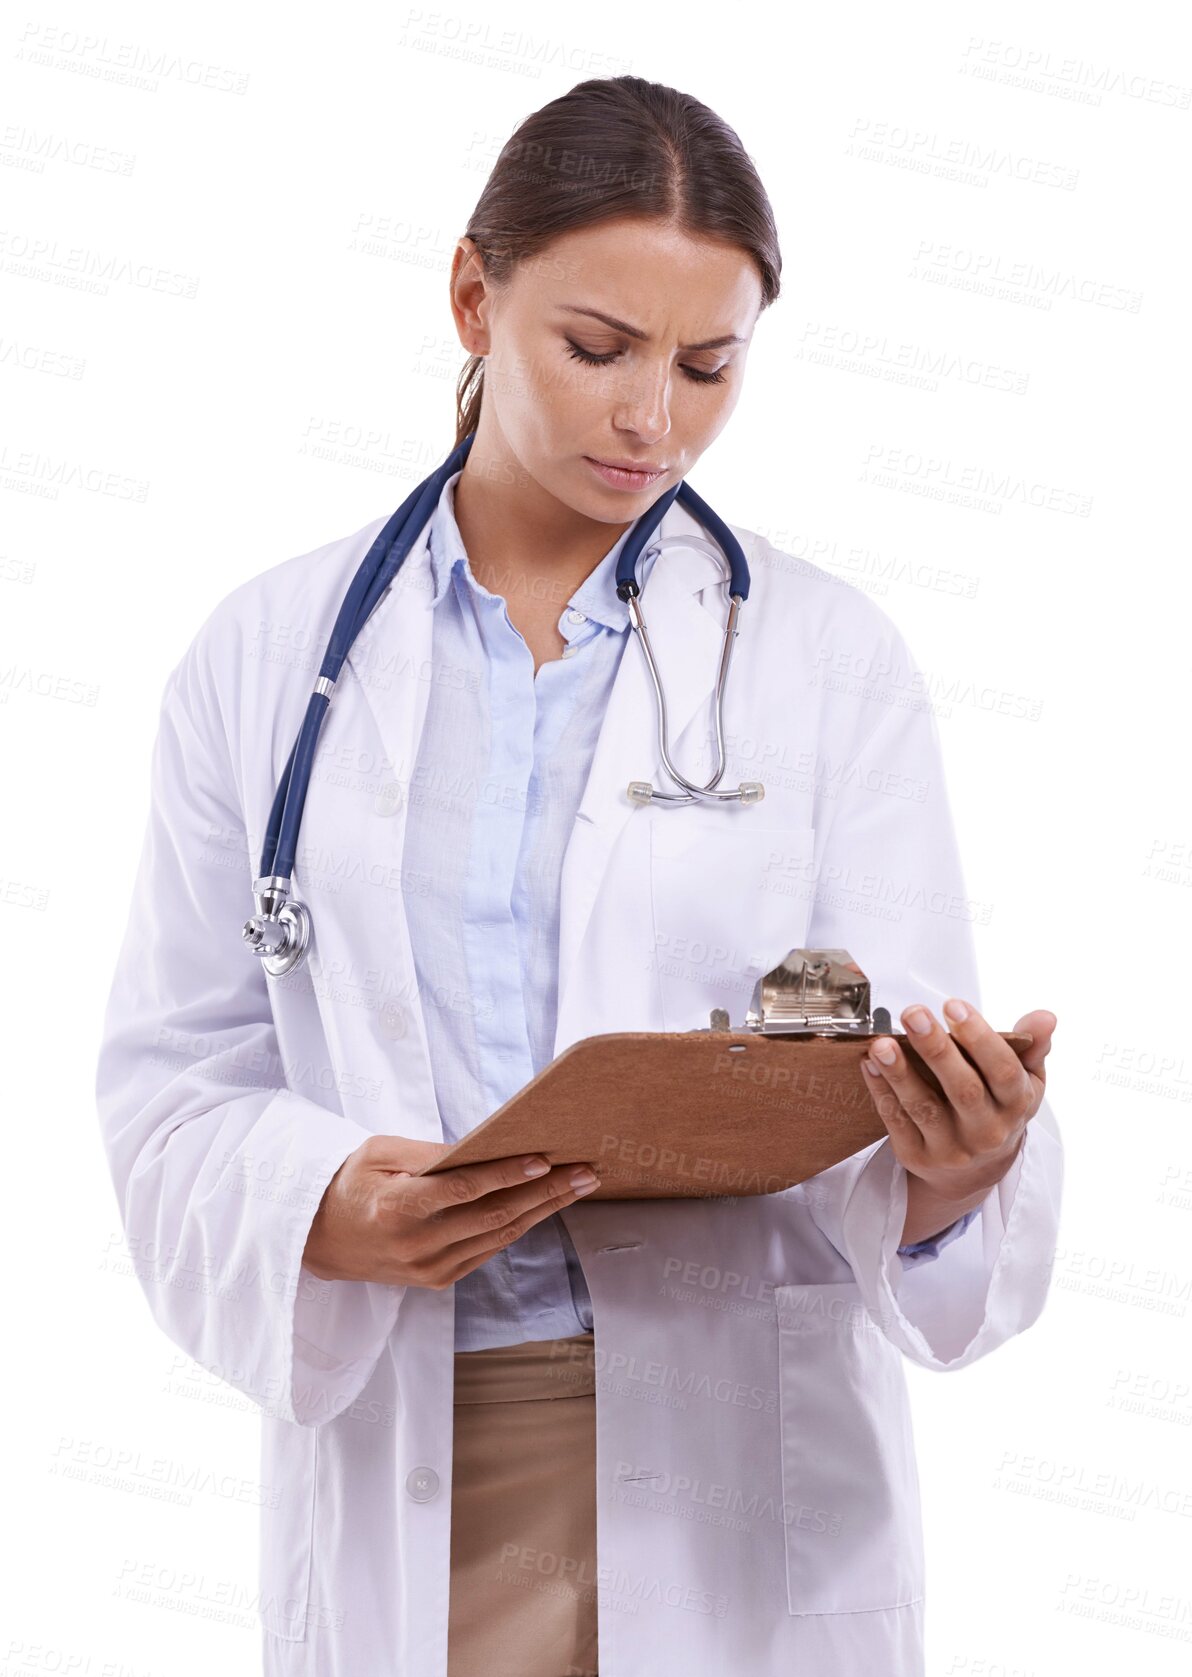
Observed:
{"x":758,"y":1503}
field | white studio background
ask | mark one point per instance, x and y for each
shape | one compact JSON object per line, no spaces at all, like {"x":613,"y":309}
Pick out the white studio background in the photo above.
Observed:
{"x":225,"y":339}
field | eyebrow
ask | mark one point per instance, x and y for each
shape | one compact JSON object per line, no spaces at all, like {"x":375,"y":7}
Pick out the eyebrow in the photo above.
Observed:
{"x":636,"y":331}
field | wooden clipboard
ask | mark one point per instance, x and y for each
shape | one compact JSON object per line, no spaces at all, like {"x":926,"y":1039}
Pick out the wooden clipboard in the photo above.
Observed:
{"x":693,"y":1114}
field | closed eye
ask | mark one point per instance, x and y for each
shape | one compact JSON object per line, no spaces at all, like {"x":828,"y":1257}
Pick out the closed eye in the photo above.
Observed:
{"x":590,"y":360}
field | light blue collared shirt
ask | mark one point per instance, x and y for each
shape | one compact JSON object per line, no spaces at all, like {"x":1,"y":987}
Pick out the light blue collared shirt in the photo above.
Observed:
{"x":502,"y":766}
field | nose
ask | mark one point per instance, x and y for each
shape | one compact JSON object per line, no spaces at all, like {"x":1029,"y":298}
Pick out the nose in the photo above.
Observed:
{"x":644,"y":407}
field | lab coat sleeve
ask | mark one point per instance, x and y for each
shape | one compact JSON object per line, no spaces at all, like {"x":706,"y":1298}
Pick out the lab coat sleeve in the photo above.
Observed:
{"x":218,"y":1165}
{"x":890,"y":889}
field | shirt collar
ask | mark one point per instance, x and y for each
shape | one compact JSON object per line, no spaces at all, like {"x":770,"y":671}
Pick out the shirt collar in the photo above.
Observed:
{"x":596,"y":596}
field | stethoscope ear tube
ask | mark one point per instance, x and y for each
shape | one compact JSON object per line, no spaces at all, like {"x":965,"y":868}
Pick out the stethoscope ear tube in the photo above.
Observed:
{"x":642,"y":791}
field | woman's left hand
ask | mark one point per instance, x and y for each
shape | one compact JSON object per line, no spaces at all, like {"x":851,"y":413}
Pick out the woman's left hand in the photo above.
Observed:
{"x":964,"y":1143}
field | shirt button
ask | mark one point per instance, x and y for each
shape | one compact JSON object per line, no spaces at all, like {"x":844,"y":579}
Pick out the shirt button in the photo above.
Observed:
{"x":393,"y":1021}
{"x":422,"y":1483}
{"x":577,"y":617}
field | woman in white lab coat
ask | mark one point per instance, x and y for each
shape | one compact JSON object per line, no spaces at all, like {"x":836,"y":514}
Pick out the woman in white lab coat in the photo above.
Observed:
{"x":735,"y":1421}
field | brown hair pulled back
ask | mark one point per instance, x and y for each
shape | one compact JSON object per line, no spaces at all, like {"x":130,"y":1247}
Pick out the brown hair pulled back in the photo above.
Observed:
{"x":608,"y":148}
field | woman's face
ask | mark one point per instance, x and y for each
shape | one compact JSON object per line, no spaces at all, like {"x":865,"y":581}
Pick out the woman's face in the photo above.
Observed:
{"x":623,"y":342}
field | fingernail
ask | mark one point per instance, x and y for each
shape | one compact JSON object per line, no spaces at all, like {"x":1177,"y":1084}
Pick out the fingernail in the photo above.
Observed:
{"x":918,"y":1021}
{"x":884,"y":1051}
{"x":582,"y":1179}
{"x":956,"y":1011}
{"x":873,"y":1070}
{"x":536,"y":1167}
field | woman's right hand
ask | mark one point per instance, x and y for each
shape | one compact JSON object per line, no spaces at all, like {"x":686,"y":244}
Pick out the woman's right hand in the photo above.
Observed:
{"x":378,"y":1222}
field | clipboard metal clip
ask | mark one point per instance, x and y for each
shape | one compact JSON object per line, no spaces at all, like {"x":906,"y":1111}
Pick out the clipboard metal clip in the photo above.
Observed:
{"x":812,"y":992}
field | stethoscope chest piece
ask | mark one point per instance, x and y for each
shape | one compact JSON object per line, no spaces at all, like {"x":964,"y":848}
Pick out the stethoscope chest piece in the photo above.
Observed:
{"x":279,"y":932}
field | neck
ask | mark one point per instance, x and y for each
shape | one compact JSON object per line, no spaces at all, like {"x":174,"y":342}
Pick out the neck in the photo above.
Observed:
{"x":518,"y":536}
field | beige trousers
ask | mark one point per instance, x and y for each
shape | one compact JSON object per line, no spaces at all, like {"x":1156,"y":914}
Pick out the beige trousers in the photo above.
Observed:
{"x":523,"y":1511}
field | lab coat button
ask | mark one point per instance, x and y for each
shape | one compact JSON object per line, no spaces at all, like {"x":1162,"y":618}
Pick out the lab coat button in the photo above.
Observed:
{"x":388,"y":799}
{"x":422,"y":1483}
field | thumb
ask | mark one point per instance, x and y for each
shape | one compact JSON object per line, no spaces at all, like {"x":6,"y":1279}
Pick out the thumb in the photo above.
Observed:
{"x":1039,"y":1024}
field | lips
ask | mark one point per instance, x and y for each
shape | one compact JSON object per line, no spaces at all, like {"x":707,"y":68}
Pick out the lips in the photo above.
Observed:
{"x":624,"y":474}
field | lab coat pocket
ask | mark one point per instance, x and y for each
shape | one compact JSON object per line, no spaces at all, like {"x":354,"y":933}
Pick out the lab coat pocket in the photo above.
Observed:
{"x":731,"y":898}
{"x":850,"y":1486}
{"x":289,"y":1454}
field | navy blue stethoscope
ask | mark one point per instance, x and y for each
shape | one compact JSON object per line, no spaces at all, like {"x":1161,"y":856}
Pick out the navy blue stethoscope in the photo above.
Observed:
{"x":280,"y":930}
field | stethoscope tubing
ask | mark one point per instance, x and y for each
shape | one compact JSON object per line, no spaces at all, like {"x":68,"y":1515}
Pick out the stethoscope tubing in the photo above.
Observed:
{"x":381,"y":564}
